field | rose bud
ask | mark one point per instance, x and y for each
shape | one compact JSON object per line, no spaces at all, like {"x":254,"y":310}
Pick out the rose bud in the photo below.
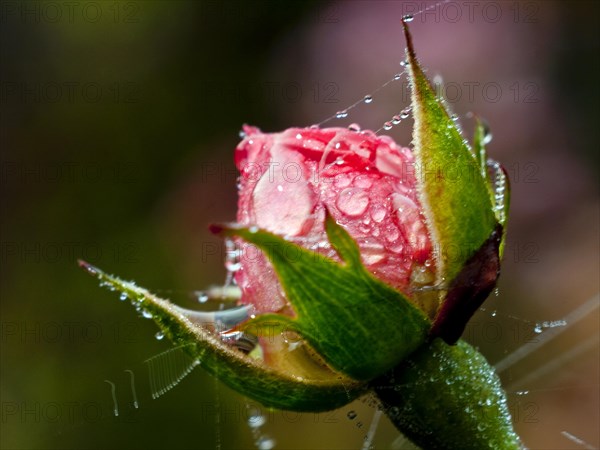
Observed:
{"x":359,"y":263}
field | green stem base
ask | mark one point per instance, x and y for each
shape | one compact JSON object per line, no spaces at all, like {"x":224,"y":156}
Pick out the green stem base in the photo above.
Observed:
{"x":448,"y":397}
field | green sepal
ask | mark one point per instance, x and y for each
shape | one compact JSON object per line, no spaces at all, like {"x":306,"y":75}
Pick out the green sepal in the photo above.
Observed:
{"x":319,"y":389}
{"x":452,"y":190}
{"x":448,"y":397}
{"x":481,"y":153}
{"x":359,"y":325}
{"x":497,"y":179}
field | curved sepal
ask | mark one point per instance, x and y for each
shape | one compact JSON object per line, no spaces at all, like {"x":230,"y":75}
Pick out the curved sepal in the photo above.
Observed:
{"x":452,"y":189}
{"x":498,"y":183}
{"x":290,"y":384}
{"x":341,"y":309}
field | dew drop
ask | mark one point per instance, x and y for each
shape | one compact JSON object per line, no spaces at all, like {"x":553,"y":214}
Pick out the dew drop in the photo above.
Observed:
{"x":487,"y":133}
{"x":242,"y":134}
{"x":494,"y":313}
{"x":146,"y":314}
{"x":352,"y":202}
{"x":405,"y":113}
{"x":404,"y":63}
{"x":354,"y":127}
{"x":391,"y":233}
{"x":341,"y":114}
{"x":368,"y":99}
{"x":408,"y":18}
{"x":378,"y":212}
{"x":387,"y":126}
{"x":359,"y":424}
{"x":202,"y":297}
{"x":256,"y":420}
{"x":314,"y":127}
{"x":265,"y":443}
{"x":342,"y":180}
{"x":538,"y":328}
{"x":363,"y":181}
{"x":159,"y":335}
{"x":396,"y":119}
{"x":397,"y":76}
{"x":298,"y":136}
{"x":351,"y":415}
{"x":123,"y":296}
{"x":232,"y":258}
{"x":522,"y":392}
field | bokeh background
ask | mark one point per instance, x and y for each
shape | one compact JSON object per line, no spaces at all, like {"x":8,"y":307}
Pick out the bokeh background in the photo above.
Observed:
{"x":118,"y":124}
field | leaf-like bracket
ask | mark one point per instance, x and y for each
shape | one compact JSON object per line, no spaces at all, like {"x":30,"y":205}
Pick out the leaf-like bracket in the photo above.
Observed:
{"x":358,"y":324}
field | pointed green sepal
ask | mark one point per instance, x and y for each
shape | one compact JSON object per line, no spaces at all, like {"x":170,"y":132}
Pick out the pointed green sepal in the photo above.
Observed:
{"x":497,"y":179}
{"x":295,"y":382}
{"x":452,"y":190}
{"x":479,"y":138}
{"x":448,"y":397}
{"x":359,"y":325}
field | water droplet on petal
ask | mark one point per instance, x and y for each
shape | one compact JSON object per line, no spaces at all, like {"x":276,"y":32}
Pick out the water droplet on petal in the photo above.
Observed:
{"x":378,"y":212}
{"x":146,"y":314}
{"x":397,"y":76}
{"x":341,"y":114}
{"x":159,"y":335}
{"x":408,"y":18}
{"x":298,"y":136}
{"x":368,"y":99}
{"x":354,"y":127}
{"x":242,"y":134}
{"x":123,"y":297}
{"x":396,"y":119}
{"x":352,"y":202}
{"x":405,"y":113}
{"x":387,"y":126}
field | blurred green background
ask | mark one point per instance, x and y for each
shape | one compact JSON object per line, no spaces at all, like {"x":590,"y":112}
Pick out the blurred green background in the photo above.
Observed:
{"x":118,"y":124}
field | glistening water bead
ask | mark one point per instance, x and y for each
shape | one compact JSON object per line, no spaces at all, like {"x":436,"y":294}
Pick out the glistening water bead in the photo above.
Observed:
{"x":368,"y":99}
